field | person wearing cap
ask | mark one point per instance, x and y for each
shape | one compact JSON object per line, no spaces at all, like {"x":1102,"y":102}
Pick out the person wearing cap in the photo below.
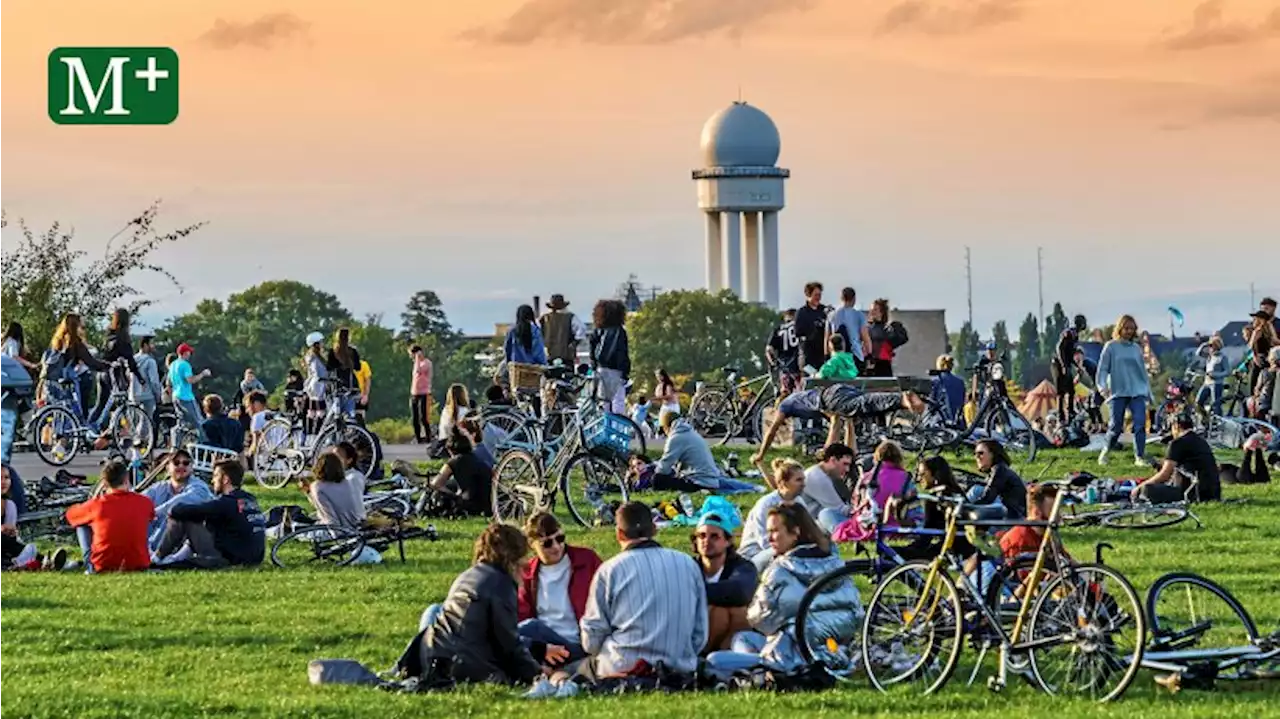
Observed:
{"x":730,"y":578}
{"x":1261,"y":336}
{"x":1264,"y":394}
{"x":317,"y":370}
{"x":183,"y":380}
{"x":562,"y":331}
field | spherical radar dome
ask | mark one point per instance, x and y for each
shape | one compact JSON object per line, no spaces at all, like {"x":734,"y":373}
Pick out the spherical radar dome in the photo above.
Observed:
{"x":740,"y":136}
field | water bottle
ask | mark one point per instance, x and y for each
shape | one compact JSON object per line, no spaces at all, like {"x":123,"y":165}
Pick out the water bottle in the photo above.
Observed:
{"x":686,"y":505}
{"x":1091,"y":495}
{"x":432,"y":534}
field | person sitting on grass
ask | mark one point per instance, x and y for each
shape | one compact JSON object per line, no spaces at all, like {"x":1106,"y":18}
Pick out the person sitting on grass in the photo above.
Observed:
{"x":227,"y":531}
{"x":885,"y":485}
{"x":334,"y":500}
{"x":730,"y":580}
{"x":826,"y":486}
{"x":687,"y":465}
{"x":1190,"y":453}
{"x":935,"y":477}
{"x":804,"y":553}
{"x":15,"y":553}
{"x":472,"y":636}
{"x":788,"y":480}
{"x":179,"y":488}
{"x":1004,"y":495}
{"x":465,"y":477}
{"x":470,"y":426}
{"x":112,"y":528}
{"x":354,"y":478}
{"x":1026,"y":539}
{"x":554,"y":586}
{"x":837,"y":401}
{"x":218,"y":429}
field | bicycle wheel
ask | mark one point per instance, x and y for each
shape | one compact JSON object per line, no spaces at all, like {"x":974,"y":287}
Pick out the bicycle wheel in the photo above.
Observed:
{"x":593,"y":488}
{"x":132,"y":426}
{"x":1097,"y":617}
{"x":826,"y":624}
{"x":1187,"y":611}
{"x":1014,"y":431}
{"x":911,"y":637}
{"x":367,"y":455}
{"x":391,"y":504}
{"x":518,"y":487}
{"x":273,"y":457}
{"x":707,"y":412}
{"x":317,"y":544}
{"x":57,"y":435}
{"x":1144,"y":517}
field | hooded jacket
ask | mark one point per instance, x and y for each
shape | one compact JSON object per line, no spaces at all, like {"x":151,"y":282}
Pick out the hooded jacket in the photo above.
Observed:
{"x":836,"y":613}
{"x":583,"y":563}
{"x":687,"y":454}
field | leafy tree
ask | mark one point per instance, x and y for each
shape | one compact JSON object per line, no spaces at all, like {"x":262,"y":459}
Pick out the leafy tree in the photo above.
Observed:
{"x":696,"y":332}
{"x":390,"y":365}
{"x":967,"y":348}
{"x":461,"y":367}
{"x":46,"y":276}
{"x":1024,"y":364}
{"x":423,"y":317}
{"x":1000,"y":335}
{"x":1054,"y":325}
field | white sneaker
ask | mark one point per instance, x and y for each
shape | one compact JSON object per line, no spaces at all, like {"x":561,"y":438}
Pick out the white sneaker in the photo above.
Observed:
{"x":1102,"y":456}
{"x":542,"y":689}
{"x":1140,"y":462}
{"x":567,"y":689}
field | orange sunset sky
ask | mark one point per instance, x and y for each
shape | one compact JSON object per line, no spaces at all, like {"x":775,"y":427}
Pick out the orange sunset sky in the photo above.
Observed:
{"x":496,"y":149}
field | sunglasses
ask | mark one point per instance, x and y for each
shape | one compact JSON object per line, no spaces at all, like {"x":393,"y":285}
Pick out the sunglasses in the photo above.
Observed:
{"x":549,"y":542}
{"x":180,"y":463}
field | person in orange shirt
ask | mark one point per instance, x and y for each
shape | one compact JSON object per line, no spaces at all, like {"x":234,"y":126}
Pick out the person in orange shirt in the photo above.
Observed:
{"x":1027,"y":540}
{"x":112,"y":528}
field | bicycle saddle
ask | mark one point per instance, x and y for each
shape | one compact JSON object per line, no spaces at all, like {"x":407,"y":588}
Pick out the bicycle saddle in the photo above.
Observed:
{"x":557,"y":372}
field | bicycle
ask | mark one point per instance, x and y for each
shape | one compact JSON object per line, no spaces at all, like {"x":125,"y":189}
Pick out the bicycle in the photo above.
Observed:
{"x":58,"y":430}
{"x":1201,"y":633}
{"x":733,"y":407}
{"x":997,"y":417}
{"x":1117,"y":511}
{"x":524,"y":476}
{"x":340,"y":546}
{"x":285,"y":450}
{"x":1077,"y":608}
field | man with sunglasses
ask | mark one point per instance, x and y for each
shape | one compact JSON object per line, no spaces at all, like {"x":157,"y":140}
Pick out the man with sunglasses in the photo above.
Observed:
{"x":179,"y":488}
{"x":731,"y":580}
{"x":554,"y":589}
{"x":228,"y":530}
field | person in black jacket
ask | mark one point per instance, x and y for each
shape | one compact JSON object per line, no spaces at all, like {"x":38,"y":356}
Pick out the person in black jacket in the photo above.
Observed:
{"x":1003,"y":484}
{"x":610,"y":354}
{"x":731,"y":581}
{"x":229,"y":530}
{"x":472,"y":636}
{"x":343,"y":362}
{"x":117,"y":347}
{"x":811,"y":327}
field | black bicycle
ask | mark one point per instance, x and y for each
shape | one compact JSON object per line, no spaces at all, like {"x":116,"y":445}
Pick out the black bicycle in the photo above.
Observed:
{"x":734,"y":408}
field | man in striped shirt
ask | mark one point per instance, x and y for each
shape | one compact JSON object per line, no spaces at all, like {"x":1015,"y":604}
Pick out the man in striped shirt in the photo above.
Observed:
{"x":648,"y":604}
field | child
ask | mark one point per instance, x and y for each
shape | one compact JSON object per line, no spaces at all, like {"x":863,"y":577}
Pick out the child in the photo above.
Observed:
{"x":640,"y":415}
{"x":639,"y":472}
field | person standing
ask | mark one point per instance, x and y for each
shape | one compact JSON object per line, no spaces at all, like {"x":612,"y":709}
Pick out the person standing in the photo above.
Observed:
{"x":343,"y":361}
{"x":183,"y":380}
{"x":117,"y":347}
{"x":147,"y":394}
{"x":562,"y":331}
{"x":811,"y":328}
{"x":523,"y":342}
{"x":1261,"y":336}
{"x":1123,"y":381}
{"x":1061,"y":368}
{"x":420,"y":394}
{"x":850,"y":323}
{"x":15,"y":346}
{"x":1216,"y":371}
{"x":364,"y":381}
{"x":783,"y":354}
{"x":610,"y":354}
{"x":886,"y":338}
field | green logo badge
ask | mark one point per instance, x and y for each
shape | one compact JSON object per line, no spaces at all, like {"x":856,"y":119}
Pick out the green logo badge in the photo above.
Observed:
{"x":113,"y":85}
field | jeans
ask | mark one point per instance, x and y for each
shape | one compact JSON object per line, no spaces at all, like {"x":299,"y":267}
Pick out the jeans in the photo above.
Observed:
{"x":190,"y":413}
{"x":1211,"y":393}
{"x":97,"y":417}
{"x":84,"y":537}
{"x":536,"y":630}
{"x":743,"y":655}
{"x":429,"y":616}
{"x":8,"y":432}
{"x":178,"y":533}
{"x":1137,"y":408}
{"x":831,"y":518}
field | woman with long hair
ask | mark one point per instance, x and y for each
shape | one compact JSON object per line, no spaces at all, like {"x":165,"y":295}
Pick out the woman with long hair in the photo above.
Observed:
{"x":804,"y":553}
{"x":524,"y":340}
{"x":610,"y":353}
{"x":886,"y":483}
{"x":344,"y":361}
{"x":67,"y":348}
{"x":665,"y":393}
{"x":456,"y":406}
{"x":880,"y":357}
{"x":1004,"y":488}
{"x":118,"y":346}
{"x":317,"y":369}
{"x":1261,"y":337}
{"x":1123,"y":380}
{"x":472,"y":636}
{"x":15,"y":345}
{"x":787,"y":479}
{"x":334,"y":501}
{"x":935,"y":477}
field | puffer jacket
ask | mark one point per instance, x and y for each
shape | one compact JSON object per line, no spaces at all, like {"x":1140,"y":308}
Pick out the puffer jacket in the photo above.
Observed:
{"x":773,"y":609}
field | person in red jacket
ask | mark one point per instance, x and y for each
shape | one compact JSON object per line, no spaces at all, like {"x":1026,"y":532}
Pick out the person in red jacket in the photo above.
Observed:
{"x":553,"y":590}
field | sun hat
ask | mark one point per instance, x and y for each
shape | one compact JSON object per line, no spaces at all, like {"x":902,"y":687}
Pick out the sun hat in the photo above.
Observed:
{"x":314,"y":337}
{"x":557,"y":302}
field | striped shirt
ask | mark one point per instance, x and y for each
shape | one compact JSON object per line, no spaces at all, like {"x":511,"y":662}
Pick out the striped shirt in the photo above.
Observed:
{"x":646,"y":603}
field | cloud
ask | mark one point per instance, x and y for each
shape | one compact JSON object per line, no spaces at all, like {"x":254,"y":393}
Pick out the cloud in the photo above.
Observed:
{"x":262,"y":33}
{"x":619,"y":22}
{"x":1208,"y":28}
{"x":949,"y":18}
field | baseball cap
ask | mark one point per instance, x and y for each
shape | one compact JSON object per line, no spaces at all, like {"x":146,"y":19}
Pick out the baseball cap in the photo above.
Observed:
{"x":185,"y":348}
{"x":314,"y":337}
{"x":712,"y":519}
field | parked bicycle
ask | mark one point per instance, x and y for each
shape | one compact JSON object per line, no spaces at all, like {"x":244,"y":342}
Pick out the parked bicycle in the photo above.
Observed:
{"x":285,"y":449}
{"x":59,"y":430}
{"x":733,"y":408}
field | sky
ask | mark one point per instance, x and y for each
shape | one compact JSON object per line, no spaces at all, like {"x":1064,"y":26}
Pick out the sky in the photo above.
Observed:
{"x":498,"y":149}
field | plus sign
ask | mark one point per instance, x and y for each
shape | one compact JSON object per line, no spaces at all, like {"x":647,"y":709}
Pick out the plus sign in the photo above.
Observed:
{"x":151,"y":74}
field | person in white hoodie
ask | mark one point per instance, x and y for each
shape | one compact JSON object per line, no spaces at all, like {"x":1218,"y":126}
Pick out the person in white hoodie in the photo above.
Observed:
{"x":1216,"y":371}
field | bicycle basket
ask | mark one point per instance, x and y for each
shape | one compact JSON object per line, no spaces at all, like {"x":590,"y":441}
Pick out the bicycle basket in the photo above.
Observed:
{"x":204,"y":456}
{"x":525,"y":376}
{"x":608,"y":435}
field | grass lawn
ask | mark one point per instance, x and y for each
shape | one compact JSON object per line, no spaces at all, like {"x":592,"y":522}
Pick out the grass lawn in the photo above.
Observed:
{"x":193,"y":644}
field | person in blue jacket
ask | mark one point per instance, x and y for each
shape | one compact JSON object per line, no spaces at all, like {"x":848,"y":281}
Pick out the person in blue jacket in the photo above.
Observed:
{"x":524,"y":340}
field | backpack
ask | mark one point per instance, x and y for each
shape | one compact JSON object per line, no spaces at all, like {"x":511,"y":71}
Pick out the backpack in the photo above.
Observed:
{"x":53,"y":365}
{"x":897,"y":334}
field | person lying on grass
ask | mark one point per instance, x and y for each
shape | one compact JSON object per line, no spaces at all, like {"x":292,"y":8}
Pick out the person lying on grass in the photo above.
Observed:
{"x":836,"y":402}
{"x":112,"y":528}
{"x":227,"y":531}
{"x":553,"y":589}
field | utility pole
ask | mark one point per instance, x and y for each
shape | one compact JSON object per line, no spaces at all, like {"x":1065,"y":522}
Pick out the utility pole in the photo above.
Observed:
{"x":968,"y":278}
{"x":1040,"y":283}
{"x":1252,"y":305}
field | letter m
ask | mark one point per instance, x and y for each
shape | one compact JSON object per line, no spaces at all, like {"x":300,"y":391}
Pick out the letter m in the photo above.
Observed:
{"x":78,"y":78}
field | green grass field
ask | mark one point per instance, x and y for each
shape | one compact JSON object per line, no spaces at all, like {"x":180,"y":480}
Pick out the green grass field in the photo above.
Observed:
{"x":197,"y":644}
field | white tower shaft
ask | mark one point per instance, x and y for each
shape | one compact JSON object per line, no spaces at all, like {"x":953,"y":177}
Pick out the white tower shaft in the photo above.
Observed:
{"x":715,"y":274}
{"x":769,"y":259}
{"x":751,"y":255}
{"x":733,"y":251}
